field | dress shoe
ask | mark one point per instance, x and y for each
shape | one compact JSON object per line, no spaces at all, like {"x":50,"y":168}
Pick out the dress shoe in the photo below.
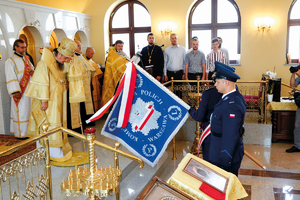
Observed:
{"x":293,"y":149}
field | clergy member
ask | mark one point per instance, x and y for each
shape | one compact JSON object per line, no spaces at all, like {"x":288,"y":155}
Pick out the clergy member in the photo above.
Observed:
{"x":80,"y":106}
{"x":18,"y":71}
{"x":153,"y":55}
{"x":48,"y":90}
{"x":114,"y":69}
{"x":95,"y":80}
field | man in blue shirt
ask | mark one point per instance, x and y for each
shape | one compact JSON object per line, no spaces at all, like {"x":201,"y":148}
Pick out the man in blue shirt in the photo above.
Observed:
{"x":174,"y":57}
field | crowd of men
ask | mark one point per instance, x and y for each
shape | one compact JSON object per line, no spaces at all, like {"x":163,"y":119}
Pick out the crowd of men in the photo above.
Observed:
{"x":180,"y":64}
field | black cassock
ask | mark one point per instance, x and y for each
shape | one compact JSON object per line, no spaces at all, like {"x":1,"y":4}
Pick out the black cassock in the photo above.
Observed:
{"x":157,"y":59}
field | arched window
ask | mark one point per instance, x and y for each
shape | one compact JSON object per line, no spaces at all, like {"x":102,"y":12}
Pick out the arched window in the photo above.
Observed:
{"x":293,"y":36}
{"x":130,"y":22}
{"x":217,"y":18}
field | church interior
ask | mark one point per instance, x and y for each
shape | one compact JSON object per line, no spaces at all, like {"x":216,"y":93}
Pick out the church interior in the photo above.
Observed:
{"x":260,"y":46}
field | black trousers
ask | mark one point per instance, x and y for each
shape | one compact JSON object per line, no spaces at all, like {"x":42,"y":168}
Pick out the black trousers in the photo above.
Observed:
{"x":177,"y":76}
{"x":209,"y":77}
{"x":193,"y":76}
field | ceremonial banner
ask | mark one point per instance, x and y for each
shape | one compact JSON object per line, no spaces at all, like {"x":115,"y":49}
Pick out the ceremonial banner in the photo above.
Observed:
{"x":156,"y":116}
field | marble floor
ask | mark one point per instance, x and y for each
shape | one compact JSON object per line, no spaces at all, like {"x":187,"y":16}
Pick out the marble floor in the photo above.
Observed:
{"x":280,"y":181}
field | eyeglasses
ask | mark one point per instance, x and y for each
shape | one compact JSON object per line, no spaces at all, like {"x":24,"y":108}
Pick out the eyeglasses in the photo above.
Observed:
{"x":22,"y":47}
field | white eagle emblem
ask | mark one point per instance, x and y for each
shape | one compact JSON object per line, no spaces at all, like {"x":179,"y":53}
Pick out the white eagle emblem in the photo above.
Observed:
{"x":143,"y":116}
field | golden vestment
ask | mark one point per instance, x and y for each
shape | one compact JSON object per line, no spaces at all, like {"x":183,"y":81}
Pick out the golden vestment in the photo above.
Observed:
{"x":114,"y":69}
{"x":48,"y":83}
{"x":79,"y":73}
{"x":96,"y":84}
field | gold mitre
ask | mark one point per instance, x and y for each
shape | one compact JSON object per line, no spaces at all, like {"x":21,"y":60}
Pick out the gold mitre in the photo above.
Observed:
{"x":67,"y":47}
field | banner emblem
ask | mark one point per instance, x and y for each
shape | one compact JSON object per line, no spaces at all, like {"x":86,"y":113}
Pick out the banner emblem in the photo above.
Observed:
{"x":174,"y":113}
{"x":155,"y":116}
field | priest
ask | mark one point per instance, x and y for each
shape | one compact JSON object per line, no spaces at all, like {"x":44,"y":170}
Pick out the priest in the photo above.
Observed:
{"x":80,"y":106}
{"x":96,"y":78}
{"x":48,"y":87}
{"x":153,"y":55}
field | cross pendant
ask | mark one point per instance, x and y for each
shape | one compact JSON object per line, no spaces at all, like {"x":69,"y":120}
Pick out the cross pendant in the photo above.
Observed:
{"x":149,"y":60}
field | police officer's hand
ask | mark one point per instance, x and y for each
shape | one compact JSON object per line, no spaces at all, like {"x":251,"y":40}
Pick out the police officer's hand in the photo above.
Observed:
{"x":192,"y":109}
{"x":17,"y":95}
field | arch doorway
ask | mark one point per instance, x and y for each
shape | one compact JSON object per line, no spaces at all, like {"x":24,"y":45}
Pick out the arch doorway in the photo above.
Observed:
{"x":33,"y":40}
{"x":56,"y":36}
{"x":82,"y":38}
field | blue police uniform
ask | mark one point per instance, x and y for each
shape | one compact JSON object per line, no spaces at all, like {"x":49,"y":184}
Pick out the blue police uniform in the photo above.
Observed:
{"x":209,"y":99}
{"x":226,"y":147}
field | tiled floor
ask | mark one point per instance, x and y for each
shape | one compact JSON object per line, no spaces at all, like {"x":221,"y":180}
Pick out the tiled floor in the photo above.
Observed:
{"x":280,"y":181}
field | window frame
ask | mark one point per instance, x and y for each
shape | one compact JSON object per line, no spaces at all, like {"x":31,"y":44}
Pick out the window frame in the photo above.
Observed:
{"x":291,"y":22}
{"x":131,"y":30}
{"x":214,"y":26}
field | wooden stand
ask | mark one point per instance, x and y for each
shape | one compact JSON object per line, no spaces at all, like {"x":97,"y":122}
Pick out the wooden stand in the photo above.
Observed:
{"x":283,"y":124}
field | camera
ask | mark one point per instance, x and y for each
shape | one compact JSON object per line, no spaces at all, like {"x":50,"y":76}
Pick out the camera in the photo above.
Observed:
{"x":294,"y":69}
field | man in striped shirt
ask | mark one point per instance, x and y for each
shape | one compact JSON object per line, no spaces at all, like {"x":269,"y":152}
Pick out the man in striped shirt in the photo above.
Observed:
{"x":224,"y":50}
{"x":214,"y":55}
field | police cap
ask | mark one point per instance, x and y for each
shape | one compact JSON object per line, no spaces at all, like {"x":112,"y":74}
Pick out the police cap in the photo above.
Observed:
{"x":217,"y":64}
{"x":224,"y":73}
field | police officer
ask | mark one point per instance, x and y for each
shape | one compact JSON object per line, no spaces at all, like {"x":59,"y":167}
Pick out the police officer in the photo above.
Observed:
{"x":226,"y":147}
{"x":209,"y":99}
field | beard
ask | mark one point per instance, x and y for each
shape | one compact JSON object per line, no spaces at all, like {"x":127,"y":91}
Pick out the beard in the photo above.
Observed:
{"x":60,"y":66}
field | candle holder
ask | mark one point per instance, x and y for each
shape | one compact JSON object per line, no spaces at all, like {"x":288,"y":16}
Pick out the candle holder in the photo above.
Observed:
{"x":91,"y":181}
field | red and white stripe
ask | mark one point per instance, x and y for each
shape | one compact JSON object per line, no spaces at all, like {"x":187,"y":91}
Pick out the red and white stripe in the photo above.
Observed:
{"x":128,"y":84}
{"x":127,"y":96}
{"x":146,"y":117}
{"x":204,"y":134}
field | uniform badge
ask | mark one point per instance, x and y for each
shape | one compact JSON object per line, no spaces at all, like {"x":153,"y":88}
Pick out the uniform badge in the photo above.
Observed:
{"x":232,"y":115}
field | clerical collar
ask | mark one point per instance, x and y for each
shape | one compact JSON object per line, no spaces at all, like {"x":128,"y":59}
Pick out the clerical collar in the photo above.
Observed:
{"x":228,"y":93}
{"x":18,"y":54}
{"x":77,"y":54}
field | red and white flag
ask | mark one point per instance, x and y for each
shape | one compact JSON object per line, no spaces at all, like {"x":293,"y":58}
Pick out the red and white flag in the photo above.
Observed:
{"x":127,"y":84}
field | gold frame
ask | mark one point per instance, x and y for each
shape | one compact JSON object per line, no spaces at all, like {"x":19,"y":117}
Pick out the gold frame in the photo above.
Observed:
{"x":209,"y":172}
{"x":155,"y":183}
